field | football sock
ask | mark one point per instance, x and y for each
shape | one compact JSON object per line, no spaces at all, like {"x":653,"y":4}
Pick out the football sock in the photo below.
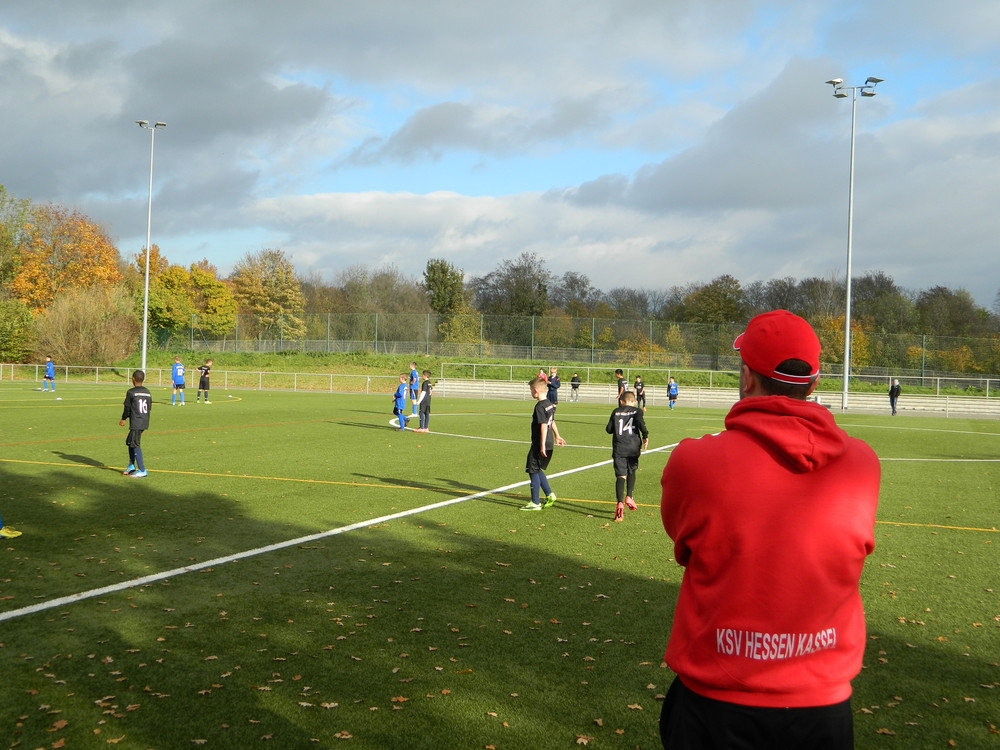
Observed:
{"x":544,"y":483}
{"x":536,"y":481}
{"x":138,"y":460}
{"x":620,"y":488}
{"x":631,"y":484}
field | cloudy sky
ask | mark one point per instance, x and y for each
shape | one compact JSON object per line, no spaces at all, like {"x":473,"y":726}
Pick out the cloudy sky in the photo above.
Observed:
{"x":646,"y":143}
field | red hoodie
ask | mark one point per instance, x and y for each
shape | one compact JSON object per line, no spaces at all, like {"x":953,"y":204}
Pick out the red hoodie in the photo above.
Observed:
{"x":772,"y":519}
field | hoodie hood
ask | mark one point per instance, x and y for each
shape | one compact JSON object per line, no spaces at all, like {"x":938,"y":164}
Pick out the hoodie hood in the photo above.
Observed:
{"x":801,"y":433}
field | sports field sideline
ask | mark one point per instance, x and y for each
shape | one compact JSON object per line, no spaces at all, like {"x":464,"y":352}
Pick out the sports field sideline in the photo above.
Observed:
{"x":294,"y":570}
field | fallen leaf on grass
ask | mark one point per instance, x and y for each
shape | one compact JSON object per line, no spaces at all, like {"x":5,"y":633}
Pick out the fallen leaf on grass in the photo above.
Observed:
{"x":885,"y":731}
{"x":635,"y":706}
{"x":582,"y":739}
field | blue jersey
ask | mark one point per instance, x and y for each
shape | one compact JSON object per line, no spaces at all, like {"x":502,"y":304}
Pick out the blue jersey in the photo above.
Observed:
{"x":177,"y":374}
{"x":414,"y":380}
{"x":672,"y":390}
{"x":50,"y":370}
{"x":399,"y":399}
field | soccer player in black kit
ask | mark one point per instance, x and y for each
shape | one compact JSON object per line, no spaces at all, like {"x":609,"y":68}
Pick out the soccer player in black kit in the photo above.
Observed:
{"x":138,"y":404}
{"x":628,"y":437}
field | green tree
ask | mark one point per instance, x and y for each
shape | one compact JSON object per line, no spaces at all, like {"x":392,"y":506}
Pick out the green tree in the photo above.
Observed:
{"x":445,"y":287}
{"x":943,"y":312}
{"x":881,"y":305}
{"x":574,"y":295}
{"x":170,"y":305}
{"x":16,"y":331}
{"x":265,"y":287}
{"x":515,"y":287}
{"x":14,"y":217}
{"x":720,"y":301}
{"x":212,"y":300}
{"x":384,"y":290}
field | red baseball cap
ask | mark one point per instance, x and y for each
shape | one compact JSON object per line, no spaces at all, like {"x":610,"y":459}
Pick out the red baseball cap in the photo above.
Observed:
{"x":776,"y":336}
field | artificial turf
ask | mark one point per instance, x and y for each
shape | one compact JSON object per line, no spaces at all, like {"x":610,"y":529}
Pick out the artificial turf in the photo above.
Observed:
{"x":365,"y":610}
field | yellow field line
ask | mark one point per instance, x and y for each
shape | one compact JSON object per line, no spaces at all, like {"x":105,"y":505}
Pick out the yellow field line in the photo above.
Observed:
{"x":937,"y":526}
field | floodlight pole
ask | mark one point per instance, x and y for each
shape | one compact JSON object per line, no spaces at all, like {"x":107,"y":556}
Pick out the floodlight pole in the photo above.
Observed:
{"x":149,"y":225}
{"x":840,"y":92}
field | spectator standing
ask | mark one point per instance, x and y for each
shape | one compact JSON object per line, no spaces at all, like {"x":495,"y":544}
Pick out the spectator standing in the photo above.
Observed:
{"x":552,"y":393}
{"x":764,"y":658}
{"x":894,"y":391}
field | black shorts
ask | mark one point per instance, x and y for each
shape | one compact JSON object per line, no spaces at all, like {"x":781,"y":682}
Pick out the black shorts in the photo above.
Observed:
{"x":536,"y":462}
{"x":134,"y":438}
{"x":690,"y":720}
{"x":178,"y":386}
{"x":625,"y":465}
{"x":203,"y":384}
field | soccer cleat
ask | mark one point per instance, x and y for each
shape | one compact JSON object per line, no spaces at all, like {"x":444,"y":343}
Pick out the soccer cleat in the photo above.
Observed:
{"x":129,"y":471}
{"x":207,"y":401}
{"x":139,"y":474}
{"x":619,"y":513}
{"x":550,"y":500}
{"x":8,"y":533}
{"x":630,"y":503}
{"x":532,"y":506}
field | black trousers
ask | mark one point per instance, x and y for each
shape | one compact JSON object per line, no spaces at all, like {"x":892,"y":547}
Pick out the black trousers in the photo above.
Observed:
{"x":690,"y":721}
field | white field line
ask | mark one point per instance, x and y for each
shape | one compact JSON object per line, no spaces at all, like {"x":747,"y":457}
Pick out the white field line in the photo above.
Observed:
{"x":145,"y":580}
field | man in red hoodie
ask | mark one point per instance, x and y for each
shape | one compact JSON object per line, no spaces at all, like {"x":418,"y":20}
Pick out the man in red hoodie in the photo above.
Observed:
{"x":772,"y":520}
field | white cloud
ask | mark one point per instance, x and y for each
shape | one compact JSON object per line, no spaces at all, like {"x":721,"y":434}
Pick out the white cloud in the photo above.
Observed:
{"x":644,"y":143}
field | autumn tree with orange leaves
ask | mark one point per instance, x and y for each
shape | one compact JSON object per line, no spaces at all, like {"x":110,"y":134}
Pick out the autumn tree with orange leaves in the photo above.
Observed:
{"x":63,"y":250}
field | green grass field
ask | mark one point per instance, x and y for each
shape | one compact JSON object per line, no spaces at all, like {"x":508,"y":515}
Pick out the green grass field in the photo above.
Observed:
{"x":294,"y":573}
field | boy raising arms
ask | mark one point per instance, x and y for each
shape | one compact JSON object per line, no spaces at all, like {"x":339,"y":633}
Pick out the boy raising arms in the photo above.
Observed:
{"x":203,"y":381}
{"x":544,"y":437}
{"x":625,"y":426}
{"x":138,"y":404}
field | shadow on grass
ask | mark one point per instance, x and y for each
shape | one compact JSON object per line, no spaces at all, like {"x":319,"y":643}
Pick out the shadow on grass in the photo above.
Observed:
{"x":84,"y":460}
{"x":415,"y":629}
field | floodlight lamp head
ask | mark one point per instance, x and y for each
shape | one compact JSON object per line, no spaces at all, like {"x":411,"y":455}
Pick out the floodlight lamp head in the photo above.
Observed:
{"x":835,"y":81}
{"x":160,"y":125}
{"x":142,"y":123}
{"x":873,"y":81}
{"x":840,"y":94}
{"x":867,"y":92}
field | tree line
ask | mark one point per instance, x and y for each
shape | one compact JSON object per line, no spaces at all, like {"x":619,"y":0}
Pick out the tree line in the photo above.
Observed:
{"x":66,"y":290}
